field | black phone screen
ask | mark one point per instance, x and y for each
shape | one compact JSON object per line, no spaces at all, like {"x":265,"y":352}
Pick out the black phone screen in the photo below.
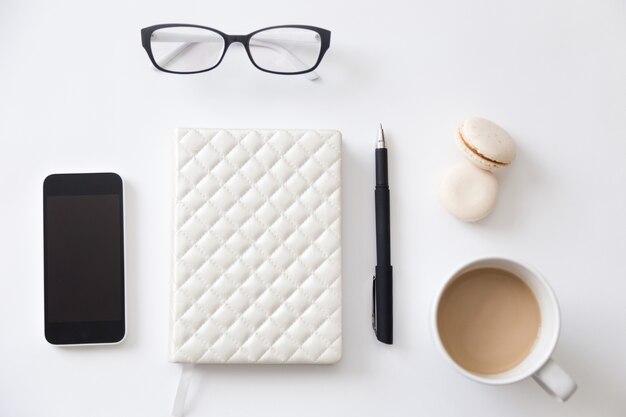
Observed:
{"x":84,"y":265}
{"x":83,"y":258}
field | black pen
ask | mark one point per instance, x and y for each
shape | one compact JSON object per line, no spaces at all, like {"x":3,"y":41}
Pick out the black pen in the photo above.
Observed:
{"x":382,"y":305}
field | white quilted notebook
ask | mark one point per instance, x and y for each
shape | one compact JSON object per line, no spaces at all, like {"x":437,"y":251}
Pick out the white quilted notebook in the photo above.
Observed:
{"x":257,"y":247}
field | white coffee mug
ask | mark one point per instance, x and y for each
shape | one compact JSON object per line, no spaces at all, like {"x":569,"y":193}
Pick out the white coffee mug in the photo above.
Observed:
{"x":538,"y":363}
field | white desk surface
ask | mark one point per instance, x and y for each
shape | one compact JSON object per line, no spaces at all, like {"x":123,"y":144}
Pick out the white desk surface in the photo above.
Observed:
{"x":77,"y":93}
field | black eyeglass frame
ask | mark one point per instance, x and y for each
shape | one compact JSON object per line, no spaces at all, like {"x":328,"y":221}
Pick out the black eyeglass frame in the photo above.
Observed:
{"x":146,"y":34}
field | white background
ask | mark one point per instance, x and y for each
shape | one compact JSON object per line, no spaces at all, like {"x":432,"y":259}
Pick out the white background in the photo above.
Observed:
{"x":78,"y":93}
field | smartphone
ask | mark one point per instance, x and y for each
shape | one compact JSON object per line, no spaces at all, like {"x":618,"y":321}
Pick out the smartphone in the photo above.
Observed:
{"x":84,"y":259}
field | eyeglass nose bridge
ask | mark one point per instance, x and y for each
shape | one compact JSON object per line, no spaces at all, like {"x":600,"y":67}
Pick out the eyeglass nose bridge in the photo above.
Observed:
{"x":242,"y":39}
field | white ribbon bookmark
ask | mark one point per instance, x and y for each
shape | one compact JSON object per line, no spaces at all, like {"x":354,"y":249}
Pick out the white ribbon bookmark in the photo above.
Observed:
{"x":178,"y":409}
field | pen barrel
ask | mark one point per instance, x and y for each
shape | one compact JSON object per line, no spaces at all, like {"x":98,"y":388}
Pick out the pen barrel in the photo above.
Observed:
{"x":382,"y":176}
{"x":383,"y":238}
{"x":383,"y":299}
{"x":383,"y":280}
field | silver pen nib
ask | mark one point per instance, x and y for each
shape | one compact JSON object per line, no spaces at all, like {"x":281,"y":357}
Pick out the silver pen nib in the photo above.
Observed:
{"x":380,"y":143}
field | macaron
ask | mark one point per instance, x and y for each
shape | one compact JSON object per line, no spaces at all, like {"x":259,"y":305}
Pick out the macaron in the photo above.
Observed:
{"x":485,"y":144}
{"x":468,"y":192}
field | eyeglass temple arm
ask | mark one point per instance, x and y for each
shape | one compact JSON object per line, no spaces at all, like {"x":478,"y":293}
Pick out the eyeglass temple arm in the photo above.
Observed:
{"x":180,"y":49}
{"x":287,"y":54}
{"x":191,"y":40}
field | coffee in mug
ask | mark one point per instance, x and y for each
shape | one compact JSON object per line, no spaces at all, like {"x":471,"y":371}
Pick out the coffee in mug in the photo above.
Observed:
{"x":497,"y":321}
{"x":489,"y":320}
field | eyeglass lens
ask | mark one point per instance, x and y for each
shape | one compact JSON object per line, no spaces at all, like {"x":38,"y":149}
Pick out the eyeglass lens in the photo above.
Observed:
{"x":186,"y":49}
{"x":286,"y":50}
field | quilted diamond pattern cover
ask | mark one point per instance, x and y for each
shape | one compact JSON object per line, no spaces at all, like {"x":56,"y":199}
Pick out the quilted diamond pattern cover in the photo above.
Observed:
{"x":257,"y":247}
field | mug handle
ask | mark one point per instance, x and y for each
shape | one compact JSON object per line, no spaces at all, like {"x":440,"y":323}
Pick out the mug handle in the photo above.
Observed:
{"x":552,"y":378}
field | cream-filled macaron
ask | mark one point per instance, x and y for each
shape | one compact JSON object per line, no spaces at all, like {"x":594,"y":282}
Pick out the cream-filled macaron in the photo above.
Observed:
{"x":468,"y":192}
{"x":485,"y":144}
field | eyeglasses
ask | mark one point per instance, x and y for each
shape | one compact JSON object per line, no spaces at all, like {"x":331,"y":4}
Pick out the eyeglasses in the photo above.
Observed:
{"x":190,"y":49}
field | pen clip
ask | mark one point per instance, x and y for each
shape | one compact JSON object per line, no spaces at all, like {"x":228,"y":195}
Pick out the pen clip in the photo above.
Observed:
{"x":374,"y":305}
